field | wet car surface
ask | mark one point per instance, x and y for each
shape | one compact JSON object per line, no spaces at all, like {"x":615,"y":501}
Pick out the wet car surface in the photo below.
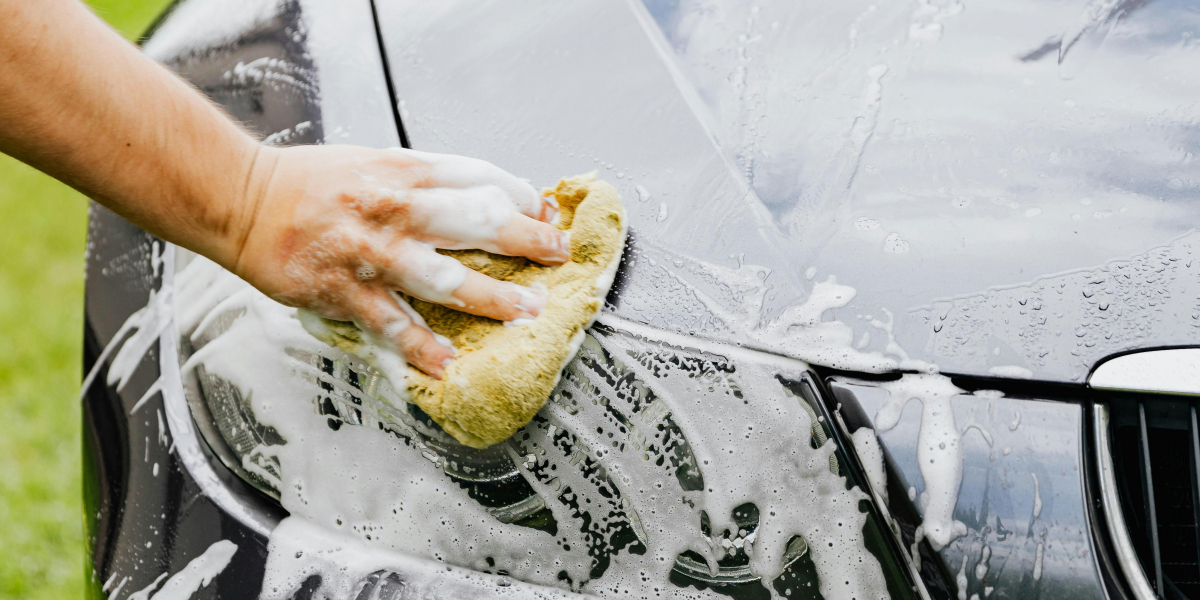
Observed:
{"x":1000,"y":191}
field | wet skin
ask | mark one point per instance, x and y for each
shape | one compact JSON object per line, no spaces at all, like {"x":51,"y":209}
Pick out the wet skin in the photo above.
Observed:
{"x":337,"y":230}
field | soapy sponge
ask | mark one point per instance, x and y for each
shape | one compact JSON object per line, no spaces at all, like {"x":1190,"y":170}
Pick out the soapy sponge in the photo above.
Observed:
{"x":503,"y":374}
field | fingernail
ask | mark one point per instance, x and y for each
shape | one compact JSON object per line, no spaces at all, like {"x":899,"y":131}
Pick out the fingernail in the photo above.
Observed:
{"x":559,"y":249}
{"x":550,"y":209}
{"x":444,"y":341}
{"x":529,"y":301}
{"x":564,"y":245}
{"x":437,"y":372}
{"x":556,"y":247}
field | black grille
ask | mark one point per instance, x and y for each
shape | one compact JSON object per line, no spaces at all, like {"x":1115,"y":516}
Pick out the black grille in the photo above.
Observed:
{"x":1156,"y":454}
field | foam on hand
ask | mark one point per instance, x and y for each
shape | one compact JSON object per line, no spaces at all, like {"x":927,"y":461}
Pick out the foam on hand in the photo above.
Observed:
{"x":502,"y":376}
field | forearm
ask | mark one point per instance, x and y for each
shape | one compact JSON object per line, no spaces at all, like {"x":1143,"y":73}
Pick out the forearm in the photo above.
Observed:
{"x":337,"y":230}
{"x":82,"y":104}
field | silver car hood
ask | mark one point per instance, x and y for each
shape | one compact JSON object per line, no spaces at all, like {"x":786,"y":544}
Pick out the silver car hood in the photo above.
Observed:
{"x":1007,"y":188}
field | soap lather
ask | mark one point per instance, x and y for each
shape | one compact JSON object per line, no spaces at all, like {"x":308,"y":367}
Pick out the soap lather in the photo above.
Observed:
{"x":504,"y":373}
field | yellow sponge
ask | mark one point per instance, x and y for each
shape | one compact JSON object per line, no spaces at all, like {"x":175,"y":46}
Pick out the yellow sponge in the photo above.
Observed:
{"x":502,"y":375}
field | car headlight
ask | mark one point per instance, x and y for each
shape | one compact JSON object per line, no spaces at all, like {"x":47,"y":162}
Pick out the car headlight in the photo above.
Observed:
{"x":605,"y":468}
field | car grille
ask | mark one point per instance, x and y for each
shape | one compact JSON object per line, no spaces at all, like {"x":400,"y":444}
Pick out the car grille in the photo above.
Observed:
{"x":1155,"y":453}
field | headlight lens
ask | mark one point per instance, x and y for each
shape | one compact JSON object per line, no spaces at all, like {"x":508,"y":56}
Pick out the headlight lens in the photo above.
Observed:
{"x":561,"y":465}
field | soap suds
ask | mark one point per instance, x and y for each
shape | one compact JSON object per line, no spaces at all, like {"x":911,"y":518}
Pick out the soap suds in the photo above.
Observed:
{"x":365,"y":483}
{"x":1037,"y":496}
{"x":730,"y":304}
{"x":1011,"y":372}
{"x":473,"y":215}
{"x":197,"y":574}
{"x":501,"y":375}
{"x":791,"y":483}
{"x":369,"y":484}
{"x":939,"y":449}
{"x":435,"y":277}
{"x":299,"y":549}
{"x":981,"y":567}
{"x":144,"y":593}
{"x":960,"y":580}
{"x":142,"y":329}
{"x":870,"y":454}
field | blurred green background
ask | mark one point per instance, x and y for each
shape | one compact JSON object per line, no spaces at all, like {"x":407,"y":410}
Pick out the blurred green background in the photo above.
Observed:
{"x":41,"y":331}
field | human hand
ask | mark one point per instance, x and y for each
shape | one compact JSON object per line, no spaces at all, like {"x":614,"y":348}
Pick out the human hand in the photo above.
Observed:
{"x":337,"y":230}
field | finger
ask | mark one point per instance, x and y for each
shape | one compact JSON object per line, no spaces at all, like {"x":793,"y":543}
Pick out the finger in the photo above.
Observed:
{"x":479,"y":218}
{"x":501,"y":300}
{"x":453,"y":171}
{"x":535,"y":240}
{"x":419,"y":271}
{"x":391,"y":323}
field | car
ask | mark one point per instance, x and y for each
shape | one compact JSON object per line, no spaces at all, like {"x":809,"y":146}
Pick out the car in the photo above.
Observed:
{"x":835,"y":209}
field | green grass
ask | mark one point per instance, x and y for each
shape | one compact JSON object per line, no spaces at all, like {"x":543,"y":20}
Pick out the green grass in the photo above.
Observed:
{"x":42,"y":235}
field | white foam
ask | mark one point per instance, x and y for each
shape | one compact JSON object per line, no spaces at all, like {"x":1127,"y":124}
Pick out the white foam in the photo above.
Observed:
{"x":790,"y":483}
{"x":364,"y":483}
{"x":474,"y":216}
{"x":960,"y":580}
{"x":381,"y":353}
{"x":870,"y":454}
{"x":432,"y":276}
{"x":192,"y":577}
{"x":736,"y":299}
{"x":1011,"y":371}
{"x":981,"y":567}
{"x":360,"y":494}
{"x":145,"y":325}
{"x":939,"y":449}
{"x":466,"y":172}
{"x":299,"y":549}
{"x":144,"y":593}
{"x":1037,"y":496}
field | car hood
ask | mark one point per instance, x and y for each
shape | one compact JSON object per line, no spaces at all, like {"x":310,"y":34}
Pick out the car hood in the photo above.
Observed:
{"x":1001,"y":189}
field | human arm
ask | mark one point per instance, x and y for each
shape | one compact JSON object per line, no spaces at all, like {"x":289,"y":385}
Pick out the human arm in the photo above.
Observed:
{"x":332,"y":229}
